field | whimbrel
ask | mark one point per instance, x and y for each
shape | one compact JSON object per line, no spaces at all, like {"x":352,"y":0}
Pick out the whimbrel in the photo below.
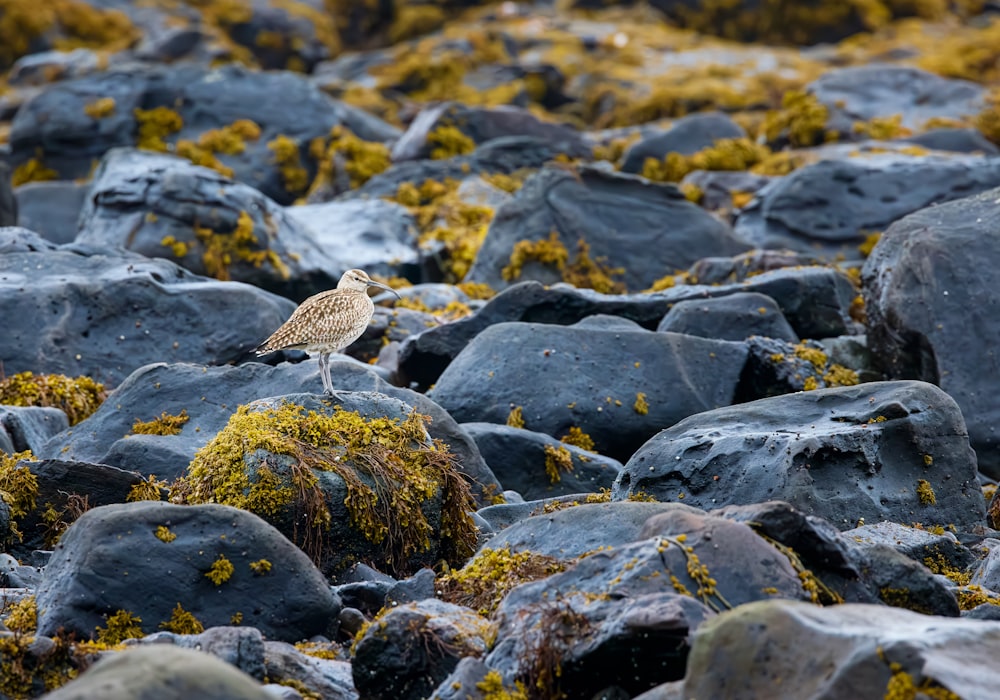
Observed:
{"x":328,"y":322}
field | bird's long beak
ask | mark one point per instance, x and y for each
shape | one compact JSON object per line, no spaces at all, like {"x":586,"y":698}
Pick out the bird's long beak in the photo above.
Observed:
{"x":373,"y":283}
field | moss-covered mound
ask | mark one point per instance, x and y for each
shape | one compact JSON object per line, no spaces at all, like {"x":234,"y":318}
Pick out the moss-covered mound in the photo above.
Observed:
{"x":343,"y":486}
{"x":77,"y":397}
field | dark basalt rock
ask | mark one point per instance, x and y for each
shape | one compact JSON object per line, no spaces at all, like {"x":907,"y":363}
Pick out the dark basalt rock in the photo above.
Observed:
{"x":930,"y":282}
{"x":80,"y":310}
{"x":51,"y":209}
{"x":8,"y":202}
{"x":111,"y":559}
{"x":686,"y":136}
{"x":894,"y":451}
{"x":149,"y":203}
{"x":627,"y":222}
{"x":564,"y":377}
{"x":537,"y":465}
{"x":29,"y":427}
{"x":956,"y":140}
{"x":863,"y":647}
{"x":828,"y":208}
{"x":733,"y":317}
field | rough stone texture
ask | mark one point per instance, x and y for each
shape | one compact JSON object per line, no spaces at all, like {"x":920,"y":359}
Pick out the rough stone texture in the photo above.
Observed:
{"x":138,"y":200}
{"x":860,"y":93}
{"x":850,"y":648}
{"x":524,"y":461}
{"x":931,"y":281}
{"x":8,"y":202}
{"x":565,"y":377}
{"x":29,"y":427}
{"x":940,"y":553}
{"x":330,"y":678}
{"x":104,"y":313}
{"x":816,"y":301}
{"x":829,"y":207}
{"x":111,"y":559}
{"x":734,"y":317}
{"x":649,"y":229}
{"x":51,"y":209}
{"x":374,"y":235}
{"x":161,"y":673}
{"x":842,"y":454}
{"x":242,"y":647}
{"x":164,"y":388}
{"x":687,"y":135}
{"x":408,"y":651}
{"x":481,"y":124}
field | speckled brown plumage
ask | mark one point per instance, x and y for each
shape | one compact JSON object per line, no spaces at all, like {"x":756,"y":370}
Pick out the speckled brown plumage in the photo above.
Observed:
{"x":328,"y":322}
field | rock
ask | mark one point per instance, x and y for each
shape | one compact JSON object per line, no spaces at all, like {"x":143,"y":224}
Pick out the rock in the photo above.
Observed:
{"x":428,"y":131}
{"x":56,"y":124}
{"x":163,"y":206}
{"x":987,"y":573}
{"x":956,"y":140}
{"x":743,"y":267}
{"x":375,"y":235}
{"x":941,"y":553}
{"x":16,"y":575}
{"x":686,"y":136}
{"x":719,"y":189}
{"x":536,"y":465}
{"x":51,"y":209}
{"x":733,"y":317}
{"x":468,"y":682}
{"x":104,"y":313}
{"x":241,"y":647}
{"x":408,"y":651}
{"x":868,"y":652}
{"x":163,"y":672}
{"x":389,"y":326}
{"x":920,"y":296}
{"x":8,"y":203}
{"x":816,"y":301}
{"x":329,"y":678}
{"x":624,"y":221}
{"x":28,"y":427}
{"x":882,"y":451}
{"x":40,"y":69}
{"x":107,"y":436}
{"x":861,"y":93}
{"x":829,"y":207}
{"x":122,"y":557}
{"x":775,"y":367}
{"x":566,"y":378}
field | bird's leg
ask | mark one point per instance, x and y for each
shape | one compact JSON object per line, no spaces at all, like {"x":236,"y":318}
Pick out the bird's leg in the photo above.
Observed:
{"x":324,"y":360}
{"x":328,"y":382}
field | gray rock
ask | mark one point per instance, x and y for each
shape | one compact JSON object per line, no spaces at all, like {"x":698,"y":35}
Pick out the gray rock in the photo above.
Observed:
{"x":829,"y":207}
{"x":882,"y":451}
{"x":939,"y":553}
{"x":537,"y":465}
{"x":686,"y":136}
{"x":241,"y":647}
{"x":329,"y":678}
{"x":718,"y":187}
{"x":103,"y":313}
{"x":628,"y":222}
{"x":51,"y":209}
{"x":933,"y":279}
{"x":987,"y":573}
{"x":858,"y":645}
{"x":966,"y":140}
{"x":42,"y":68}
{"x":112,"y":559}
{"x":8,"y":203}
{"x":164,"y":673}
{"x":564,"y":377}
{"x":29,"y":427}
{"x":733,"y":317}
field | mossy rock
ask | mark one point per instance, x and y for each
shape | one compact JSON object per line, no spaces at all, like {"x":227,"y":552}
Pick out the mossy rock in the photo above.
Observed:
{"x":347,"y":481}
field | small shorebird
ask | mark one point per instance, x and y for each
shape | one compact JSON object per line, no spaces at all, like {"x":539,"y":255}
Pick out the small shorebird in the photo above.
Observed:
{"x":328,"y":322}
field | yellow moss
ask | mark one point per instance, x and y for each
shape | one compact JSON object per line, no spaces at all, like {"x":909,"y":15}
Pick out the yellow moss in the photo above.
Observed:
{"x":77,"y":397}
{"x":810,"y":384}
{"x":838,"y":375}
{"x":21,"y":617}
{"x":926,"y":493}
{"x":148,"y":490}
{"x":641,"y":406}
{"x":928,"y":460}
{"x":360,"y":159}
{"x":120,"y":626}
{"x":182,"y":622}
{"x":802,"y":119}
{"x":260,"y":567}
{"x":515,"y":418}
{"x":100,"y":108}
{"x":164,"y":425}
{"x":869,"y":243}
{"x":883,"y":128}
{"x":220,"y":572}
{"x":201,"y":156}
{"x":178,"y":248}
{"x":586,"y":273}
{"x":507,"y":183}
{"x":485,"y":580}
{"x":154,"y":125}
{"x":725,"y":154}
{"x":236,"y":619}
{"x":164,"y":534}
{"x":814,"y":356}
{"x":988,"y":120}
{"x":493,"y":688}
{"x":901,"y":686}
{"x":222,"y":248}
{"x":550,"y":251}
{"x":18,"y":488}
{"x":388,"y":472}
{"x":477,"y":290}
{"x":578,"y":438}
{"x":938,"y":564}
{"x":557,"y":460}
{"x":32,"y":170}
{"x":449,"y":141}
{"x":414,"y":20}
{"x":286,"y":156}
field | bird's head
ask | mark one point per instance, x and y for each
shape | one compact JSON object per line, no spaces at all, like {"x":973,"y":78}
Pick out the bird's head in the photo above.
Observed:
{"x":359,"y":280}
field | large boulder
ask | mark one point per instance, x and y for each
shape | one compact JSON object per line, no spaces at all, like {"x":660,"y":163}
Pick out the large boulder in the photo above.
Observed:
{"x":104,"y":313}
{"x":587,"y":222}
{"x":930,"y":286}
{"x":218,"y":563}
{"x":617,"y":386}
{"x":882,"y":451}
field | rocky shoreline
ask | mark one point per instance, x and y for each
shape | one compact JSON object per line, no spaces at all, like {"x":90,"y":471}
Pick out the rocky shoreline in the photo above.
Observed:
{"x":690,"y":391}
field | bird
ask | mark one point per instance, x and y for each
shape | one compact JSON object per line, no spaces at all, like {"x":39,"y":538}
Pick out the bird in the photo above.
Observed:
{"x":328,"y":322}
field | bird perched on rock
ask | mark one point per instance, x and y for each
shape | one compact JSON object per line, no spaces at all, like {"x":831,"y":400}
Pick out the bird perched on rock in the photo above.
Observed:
{"x":328,"y":322}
